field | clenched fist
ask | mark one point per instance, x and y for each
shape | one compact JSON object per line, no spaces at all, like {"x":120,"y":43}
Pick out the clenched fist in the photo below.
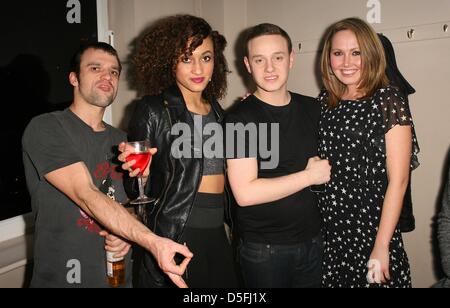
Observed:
{"x":319,"y":171}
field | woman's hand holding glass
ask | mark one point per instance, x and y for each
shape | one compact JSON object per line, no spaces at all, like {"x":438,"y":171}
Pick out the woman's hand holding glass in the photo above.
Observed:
{"x":128,"y":164}
{"x":137,"y":158}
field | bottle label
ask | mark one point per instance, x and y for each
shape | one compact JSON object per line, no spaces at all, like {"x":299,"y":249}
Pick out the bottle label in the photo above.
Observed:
{"x":110,"y":257}
{"x":115,"y":270}
{"x":109,"y":269}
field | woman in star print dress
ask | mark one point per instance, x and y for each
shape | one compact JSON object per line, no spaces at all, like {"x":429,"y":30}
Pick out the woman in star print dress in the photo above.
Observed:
{"x":367,"y":134}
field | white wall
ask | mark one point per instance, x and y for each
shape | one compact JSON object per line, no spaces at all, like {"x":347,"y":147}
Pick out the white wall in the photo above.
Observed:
{"x":425,"y":63}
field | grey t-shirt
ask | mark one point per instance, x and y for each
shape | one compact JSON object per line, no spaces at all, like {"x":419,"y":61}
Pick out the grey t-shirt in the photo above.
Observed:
{"x":69,"y":252}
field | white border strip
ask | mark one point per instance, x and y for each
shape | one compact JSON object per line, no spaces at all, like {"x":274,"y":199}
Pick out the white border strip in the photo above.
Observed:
{"x":15,"y":227}
{"x":14,"y":266}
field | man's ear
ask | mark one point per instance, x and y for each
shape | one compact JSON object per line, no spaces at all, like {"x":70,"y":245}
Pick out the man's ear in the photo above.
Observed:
{"x":247,"y":65}
{"x":73,"y":79}
{"x":291,"y":59}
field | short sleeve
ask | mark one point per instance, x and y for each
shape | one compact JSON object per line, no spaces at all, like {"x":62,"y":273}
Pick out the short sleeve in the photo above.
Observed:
{"x":391,"y":108}
{"x":47,"y":146}
{"x":240,"y":142}
{"x":394,"y":108}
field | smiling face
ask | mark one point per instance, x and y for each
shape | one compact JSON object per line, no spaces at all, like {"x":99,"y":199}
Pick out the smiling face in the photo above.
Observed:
{"x":98,"y":80}
{"x":194,"y":72}
{"x":269,"y":61}
{"x":345,"y":59}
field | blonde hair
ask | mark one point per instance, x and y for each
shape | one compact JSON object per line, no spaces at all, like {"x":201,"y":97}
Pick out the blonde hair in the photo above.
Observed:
{"x":373,"y":74}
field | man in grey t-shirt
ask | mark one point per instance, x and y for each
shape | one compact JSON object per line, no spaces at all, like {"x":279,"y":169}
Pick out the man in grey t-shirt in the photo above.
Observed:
{"x":76,"y":187}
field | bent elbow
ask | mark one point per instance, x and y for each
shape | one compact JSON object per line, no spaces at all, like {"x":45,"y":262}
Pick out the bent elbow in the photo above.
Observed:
{"x":244,"y":193}
{"x":88,"y":198}
{"x":244,"y":200}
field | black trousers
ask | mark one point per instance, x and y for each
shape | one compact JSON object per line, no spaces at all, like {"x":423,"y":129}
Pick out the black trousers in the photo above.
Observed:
{"x":213,"y":264}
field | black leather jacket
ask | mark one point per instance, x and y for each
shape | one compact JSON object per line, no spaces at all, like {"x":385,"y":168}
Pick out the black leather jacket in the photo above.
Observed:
{"x":173,"y":182}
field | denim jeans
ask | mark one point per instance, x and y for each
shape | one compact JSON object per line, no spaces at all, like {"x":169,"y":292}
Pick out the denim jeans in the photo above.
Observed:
{"x":282,"y":266}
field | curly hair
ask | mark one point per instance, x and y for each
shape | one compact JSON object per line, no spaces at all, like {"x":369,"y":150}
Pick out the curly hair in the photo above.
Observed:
{"x":162,"y":46}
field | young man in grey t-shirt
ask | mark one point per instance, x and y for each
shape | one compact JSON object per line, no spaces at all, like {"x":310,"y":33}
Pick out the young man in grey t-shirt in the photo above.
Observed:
{"x":76,"y":188}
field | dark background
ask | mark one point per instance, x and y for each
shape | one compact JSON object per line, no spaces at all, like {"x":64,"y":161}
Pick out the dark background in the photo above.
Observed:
{"x":36,"y":45}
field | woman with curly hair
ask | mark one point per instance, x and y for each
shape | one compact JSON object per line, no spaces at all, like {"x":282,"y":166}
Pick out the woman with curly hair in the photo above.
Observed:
{"x":181,"y":69}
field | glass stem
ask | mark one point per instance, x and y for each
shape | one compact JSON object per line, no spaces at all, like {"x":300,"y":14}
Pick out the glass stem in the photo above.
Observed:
{"x":141,"y":188}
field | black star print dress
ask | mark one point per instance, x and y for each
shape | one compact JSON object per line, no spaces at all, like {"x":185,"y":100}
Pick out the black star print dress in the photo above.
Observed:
{"x":352,"y":137}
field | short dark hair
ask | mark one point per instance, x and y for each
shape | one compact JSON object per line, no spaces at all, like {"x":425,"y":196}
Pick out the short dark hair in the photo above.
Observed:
{"x":266,"y":29}
{"x":76,"y":58}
